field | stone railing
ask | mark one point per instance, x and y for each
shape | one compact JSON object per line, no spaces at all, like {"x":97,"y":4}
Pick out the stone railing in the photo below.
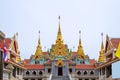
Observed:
{"x":70,"y":77}
{"x":35,"y":76}
{"x":84,"y":76}
{"x":60,"y":78}
{"x":19,"y":77}
{"x":49,"y":77}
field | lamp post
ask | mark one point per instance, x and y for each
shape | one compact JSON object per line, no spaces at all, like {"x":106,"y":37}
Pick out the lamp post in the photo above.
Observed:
{"x":1,"y":64}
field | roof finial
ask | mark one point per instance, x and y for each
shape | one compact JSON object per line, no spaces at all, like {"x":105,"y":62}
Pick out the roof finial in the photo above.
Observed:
{"x":79,"y":36}
{"x":59,"y":17}
{"x":59,"y":31}
{"x":102,"y":45}
{"x":39,"y":37}
{"x":17,"y":34}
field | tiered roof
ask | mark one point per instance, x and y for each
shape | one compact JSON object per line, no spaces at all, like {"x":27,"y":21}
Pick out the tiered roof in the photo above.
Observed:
{"x":27,"y":65}
{"x":87,"y":66}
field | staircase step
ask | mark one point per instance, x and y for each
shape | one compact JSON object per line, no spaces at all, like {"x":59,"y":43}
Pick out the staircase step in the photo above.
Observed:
{"x":60,"y":78}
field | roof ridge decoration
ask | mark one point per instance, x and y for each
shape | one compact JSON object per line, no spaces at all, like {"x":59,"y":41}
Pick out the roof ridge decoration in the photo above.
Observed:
{"x":15,"y":39}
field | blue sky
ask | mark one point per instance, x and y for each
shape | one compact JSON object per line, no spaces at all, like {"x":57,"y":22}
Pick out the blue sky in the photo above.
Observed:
{"x":92,"y":17}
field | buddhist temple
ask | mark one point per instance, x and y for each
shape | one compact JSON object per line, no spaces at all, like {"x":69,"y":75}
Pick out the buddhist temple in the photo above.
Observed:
{"x":58,"y":62}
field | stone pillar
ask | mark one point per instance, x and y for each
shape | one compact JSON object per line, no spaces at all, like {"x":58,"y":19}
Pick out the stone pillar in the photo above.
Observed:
{"x":46,"y":70}
{"x":105,"y":72}
{"x":1,"y":65}
{"x":10,"y":67}
{"x":56,"y":71}
{"x":99,"y":74}
{"x":73,"y":69}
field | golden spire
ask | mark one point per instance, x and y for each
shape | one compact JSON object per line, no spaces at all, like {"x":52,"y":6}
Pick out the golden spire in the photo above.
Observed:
{"x":39,"y":49}
{"x":102,"y":56}
{"x":102,"y":45}
{"x":39,"y":38}
{"x":59,"y":35}
{"x":80,"y":51}
{"x":59,"y":48}
{"x":59,"y":30}
{"x":18,"y":58}
{"x":80,"y":38}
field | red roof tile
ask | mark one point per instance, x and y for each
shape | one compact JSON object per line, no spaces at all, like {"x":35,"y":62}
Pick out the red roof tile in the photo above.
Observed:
{"x":115,"y":42}
{"x":70,"y":62}
{"x":8,"y":42}
{"x":92,"y":61}
{"x":74,"y":53}
{"x":85,"y":66}
{"x":49,"y":62}
{"x":34,"y":66}
{"x":44,"y":53}
{"x":27,"y":61}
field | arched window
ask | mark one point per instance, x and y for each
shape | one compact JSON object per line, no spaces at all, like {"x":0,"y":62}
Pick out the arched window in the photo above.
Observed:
{"x":85,"y":73}
{"x":79,"y":73}
{"x":40,"y":73}
{"x":70,"y":70}
{"x":82,"y":62}
{"x":49,"y":70}
{"x":36,"y":60}
{"x":27,"y":73}
{"x":91,"y":73}
{"x":34,"y":73}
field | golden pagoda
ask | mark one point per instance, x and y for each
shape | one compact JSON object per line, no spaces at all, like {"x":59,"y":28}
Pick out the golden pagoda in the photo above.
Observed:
{"x":38,"y":52}
{"x":59,"y":48}
{"x":80,"y":51}
{"x":102,"y":56}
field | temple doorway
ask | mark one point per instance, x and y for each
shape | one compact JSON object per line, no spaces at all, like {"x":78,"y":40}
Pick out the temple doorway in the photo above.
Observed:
{"x":60,"y":71}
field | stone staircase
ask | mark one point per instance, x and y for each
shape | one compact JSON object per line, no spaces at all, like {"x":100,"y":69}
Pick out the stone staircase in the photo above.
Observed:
{"x":60,"y":78}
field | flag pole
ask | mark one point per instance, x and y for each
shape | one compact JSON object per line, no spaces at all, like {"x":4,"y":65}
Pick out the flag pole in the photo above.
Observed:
{"x":1,"y":64}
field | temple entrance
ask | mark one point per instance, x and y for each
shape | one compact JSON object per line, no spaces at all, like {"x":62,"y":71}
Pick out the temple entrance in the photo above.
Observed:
{"x":60,"y":71}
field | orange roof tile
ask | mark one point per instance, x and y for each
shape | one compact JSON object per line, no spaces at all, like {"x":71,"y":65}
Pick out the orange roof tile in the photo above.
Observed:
{"x":27,"y":61}
{"x":8,"y":42}
{"x":70,"y":62}
{"x":34,"y":66}
{"x":115,"y":42}
{"x":85,"y":66}
{"x":15,"y":63}
{"x":44,"y":53}
{"x":49,"y":62}
{"x":92,"y":61}
{"x":74,"y":53}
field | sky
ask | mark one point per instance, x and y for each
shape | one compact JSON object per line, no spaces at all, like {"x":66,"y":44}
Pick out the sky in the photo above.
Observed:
{"x":92,"y":17}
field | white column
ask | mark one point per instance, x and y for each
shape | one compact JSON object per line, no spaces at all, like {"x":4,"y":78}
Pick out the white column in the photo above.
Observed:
{"x":105,"y":73}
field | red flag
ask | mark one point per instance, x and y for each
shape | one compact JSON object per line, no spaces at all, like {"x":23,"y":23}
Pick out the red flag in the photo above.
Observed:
{"x":5,"y":57}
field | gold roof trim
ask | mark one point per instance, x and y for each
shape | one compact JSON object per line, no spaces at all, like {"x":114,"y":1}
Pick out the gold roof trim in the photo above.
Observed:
{"x":60,"y":63}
